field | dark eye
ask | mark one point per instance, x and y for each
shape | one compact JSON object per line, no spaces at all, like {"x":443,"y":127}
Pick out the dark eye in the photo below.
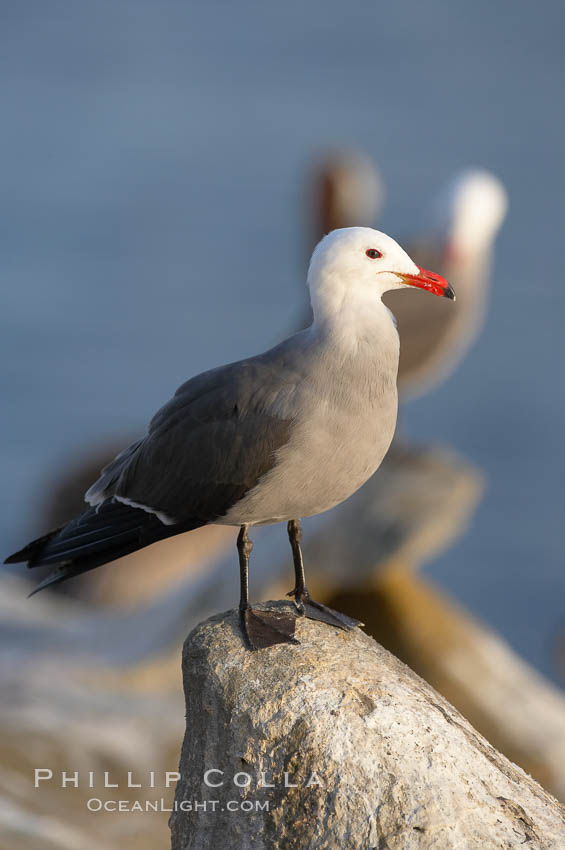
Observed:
{"x":373,"y":254}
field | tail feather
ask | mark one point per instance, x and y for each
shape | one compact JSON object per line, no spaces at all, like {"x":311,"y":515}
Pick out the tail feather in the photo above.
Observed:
{"x":98,"y":536}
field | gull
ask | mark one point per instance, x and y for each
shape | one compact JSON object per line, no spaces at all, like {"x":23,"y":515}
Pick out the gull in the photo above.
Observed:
{"x":286,"y":434}
{"x":457,"y":240}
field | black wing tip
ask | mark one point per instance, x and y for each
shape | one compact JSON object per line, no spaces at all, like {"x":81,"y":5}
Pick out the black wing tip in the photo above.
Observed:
{"x":30,"y":552}
{"x":20,"y":557}
{"x":16,"y":558}
{"x":39,"y":587}
{"x":61,"y":574}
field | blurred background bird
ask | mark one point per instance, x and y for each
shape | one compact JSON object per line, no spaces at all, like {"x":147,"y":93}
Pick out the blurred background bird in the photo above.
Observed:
{"x":456,"y":236}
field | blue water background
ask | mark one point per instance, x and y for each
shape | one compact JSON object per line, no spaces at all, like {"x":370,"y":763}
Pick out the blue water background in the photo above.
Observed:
{"x":152,"y":167}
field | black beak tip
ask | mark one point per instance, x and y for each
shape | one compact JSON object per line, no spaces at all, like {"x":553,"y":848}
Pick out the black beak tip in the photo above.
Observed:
{"x":449,"y":292}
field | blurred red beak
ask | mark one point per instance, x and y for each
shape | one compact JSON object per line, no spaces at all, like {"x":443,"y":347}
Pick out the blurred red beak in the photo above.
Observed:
{"x":430,"y":281}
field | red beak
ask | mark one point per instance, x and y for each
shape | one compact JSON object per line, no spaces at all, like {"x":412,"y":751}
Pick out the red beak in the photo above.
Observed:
{"x":430,"y":281}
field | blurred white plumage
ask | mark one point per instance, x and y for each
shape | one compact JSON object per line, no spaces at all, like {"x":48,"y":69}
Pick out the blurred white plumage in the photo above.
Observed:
{"x":457,"y":240}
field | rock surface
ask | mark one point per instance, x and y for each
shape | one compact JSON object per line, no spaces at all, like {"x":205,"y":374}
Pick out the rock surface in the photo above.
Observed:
{"x":373,"y":756}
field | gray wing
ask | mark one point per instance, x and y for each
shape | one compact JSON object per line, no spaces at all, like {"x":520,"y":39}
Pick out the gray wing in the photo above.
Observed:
{"x":210,"y":444}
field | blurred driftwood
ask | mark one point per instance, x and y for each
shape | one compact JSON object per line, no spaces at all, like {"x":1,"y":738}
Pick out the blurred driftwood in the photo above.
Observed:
{"x":375,"y":757}
{"x":418,"y":502}
{"x":512,"y":705}
{"x":68,"y":712}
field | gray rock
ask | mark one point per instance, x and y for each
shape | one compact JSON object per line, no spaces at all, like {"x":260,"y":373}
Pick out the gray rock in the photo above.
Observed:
{"x":373,"y":756}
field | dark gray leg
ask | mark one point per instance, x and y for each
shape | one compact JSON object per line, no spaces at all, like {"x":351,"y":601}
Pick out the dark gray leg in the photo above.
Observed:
{"x":300,"y":591}
{"x":244,"y":549}
{"x":304,"y":602}
{"x":260,"y":628}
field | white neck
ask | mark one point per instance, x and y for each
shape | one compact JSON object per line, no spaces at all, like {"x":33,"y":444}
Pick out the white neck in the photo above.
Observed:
{"x":351,"y":323}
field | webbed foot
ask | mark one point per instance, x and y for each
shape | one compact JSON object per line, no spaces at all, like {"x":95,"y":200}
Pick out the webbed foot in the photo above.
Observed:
{"x":307,"y":607}
{"x":263,"y":628}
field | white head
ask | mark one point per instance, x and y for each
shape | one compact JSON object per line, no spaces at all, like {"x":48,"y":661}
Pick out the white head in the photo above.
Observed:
{"x":468,"y":212}
{"x":359,"y":264}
